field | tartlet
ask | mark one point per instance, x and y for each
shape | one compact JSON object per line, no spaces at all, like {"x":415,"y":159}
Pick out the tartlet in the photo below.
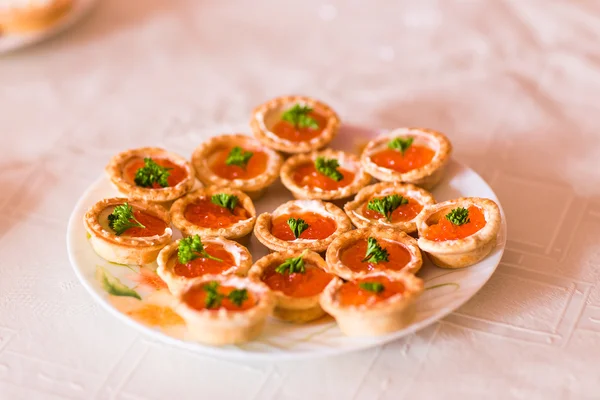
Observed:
{"x":463,"y":242}
{"x":364,"y":213}
{"x":363,"y":308}
{"x":410,"y":155}
{"x":323,"y":223}
{"x":301,"y":175}
{"x":296,"y":294}
{"x":197,"y":214}
{"x":135,"y":246}
{"x":226,"y":324}
{"x":349,"y":257}
{"x":294,"y":124}
{"x":123,"y":170}
{"x":18,"y":16}
{"x":237,"y":162}
{"x":176,"y":275}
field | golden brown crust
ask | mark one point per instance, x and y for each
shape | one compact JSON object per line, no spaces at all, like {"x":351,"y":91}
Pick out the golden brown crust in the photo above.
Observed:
{"x":346,"y":160}
{"x":262,"y":228}
{"x":427,"y":176}
{"x":345,"y":240}
{"x":462,"y":252}
{"x":33,"y":17}
{"x":167,"y":260}
{"x":236,"y":231}
{"x":115,"y":168}
{"x":267,"y":114}
{"x":380,"y":318}
{"x":253,"y":187}
{"x":123,"y":249}
{"x":354,"y":208}
{"x":223,"y":327}
{"x":288,"y":308}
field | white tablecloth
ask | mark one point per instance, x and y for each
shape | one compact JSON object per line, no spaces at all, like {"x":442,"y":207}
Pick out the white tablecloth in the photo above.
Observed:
{"x":515,"y":84}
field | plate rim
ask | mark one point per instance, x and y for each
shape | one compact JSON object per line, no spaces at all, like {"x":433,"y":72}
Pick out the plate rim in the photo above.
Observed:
{"x":214,"y":351}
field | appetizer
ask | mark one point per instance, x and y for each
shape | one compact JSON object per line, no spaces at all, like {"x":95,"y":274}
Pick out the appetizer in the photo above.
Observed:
{"x":388,"y":204}
{"x":294,"y":124}
{"x":409,"y":155}
{"x":459,"y":233}
{"x":301,"y":224}
{"x":360,"y":252}
{"x":191,"y":257}
{"x":296,"y":279}
{"x":127,"y":231}
{"x":151,"y":174}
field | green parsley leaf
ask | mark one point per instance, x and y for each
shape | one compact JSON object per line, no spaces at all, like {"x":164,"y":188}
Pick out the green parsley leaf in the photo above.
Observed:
{"x":238,"y":156}
{"x":386,"y":205}
{"x":401,"y":144}
{"x":374,"y":287}
{"x":122,"y":219}
{"x":328,"y":167}
{"x":238,"y":296}
{"x":225,"y":200}
{"x":292,"y":265}
{"x":297,"y":225}
{"x":375,"y":253}
{"x":214,"y":298}
{"x":458,"y":216}
{"x":152,"y":173}
{"x":191,"y":248}
{"x":299,"y":117}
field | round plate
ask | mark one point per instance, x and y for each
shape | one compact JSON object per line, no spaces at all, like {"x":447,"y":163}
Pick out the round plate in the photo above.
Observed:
{"x":137,"y":296}
{"x":10,"y":42}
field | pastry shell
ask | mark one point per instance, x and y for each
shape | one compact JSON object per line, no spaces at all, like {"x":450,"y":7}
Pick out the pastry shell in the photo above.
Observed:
{"x":115,"y":168}
{"x":167,"y":259}
{"x":427,"y":176}
{"x":346,"y":160}
{"x":290,"y":308}
{"x":254,"y":187}
{"x":345,"y":240}
{"x":465,"y":252}
{"x":267,"y":114}
{"x":26,"y":17}
{"x":383,"y":317}
{"x":354,"y":208}
{"x":122,"y":249}
{"x":262,"y":228}
{"x":239,"y":231}
{"x":222,"y":327}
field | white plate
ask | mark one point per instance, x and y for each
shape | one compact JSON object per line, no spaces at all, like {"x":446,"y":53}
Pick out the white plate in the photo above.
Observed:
{"x":446,"y":289}
{"x":10,"y":42}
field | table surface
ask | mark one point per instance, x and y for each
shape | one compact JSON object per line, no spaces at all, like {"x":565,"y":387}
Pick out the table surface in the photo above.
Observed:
{"x":515,"y":84}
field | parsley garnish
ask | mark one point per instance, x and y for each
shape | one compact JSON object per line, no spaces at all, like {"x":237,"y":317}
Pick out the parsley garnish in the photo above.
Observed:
{"x":386,"y":205}
{"x":458,"y":216}
{"x":298,"y":116}
{"x":374,"y":287}
{"x":297,"y":225}
{"x":238,"y":156}
{"x":238,"y":296}
{"x":152,"y":173}
{"x":122,"y":219}
{"x":214,"y":298}
{"x":292,"y":265}
{"x":375,"y":253}
{"x":401,"y":144}
{"x":191,"y":248}
{"x":328,"y":167}
{"x":225,"y":200}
